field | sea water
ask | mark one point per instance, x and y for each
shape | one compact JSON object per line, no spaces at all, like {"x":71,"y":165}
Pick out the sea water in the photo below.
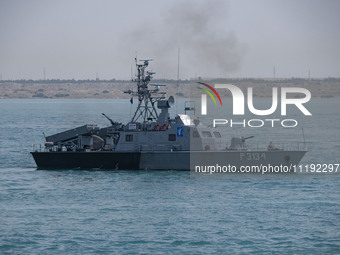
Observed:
{"x":157,"y":212}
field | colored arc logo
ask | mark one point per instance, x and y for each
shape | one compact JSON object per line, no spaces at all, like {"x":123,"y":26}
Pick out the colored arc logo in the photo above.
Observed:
{"x":209,"y":93}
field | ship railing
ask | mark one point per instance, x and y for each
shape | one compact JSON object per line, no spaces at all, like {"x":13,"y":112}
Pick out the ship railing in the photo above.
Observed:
{"x":37,"y":147}
{"x":281,"y":146}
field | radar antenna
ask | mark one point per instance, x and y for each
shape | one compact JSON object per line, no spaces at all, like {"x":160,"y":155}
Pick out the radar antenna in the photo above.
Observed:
{"x":146,"y":97}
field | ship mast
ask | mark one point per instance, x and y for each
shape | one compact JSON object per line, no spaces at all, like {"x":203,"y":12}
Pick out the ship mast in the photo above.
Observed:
{"x":146,"y":110}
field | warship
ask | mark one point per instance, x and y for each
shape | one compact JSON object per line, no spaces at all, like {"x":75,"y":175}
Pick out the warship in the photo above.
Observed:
{"x":152,"y":140}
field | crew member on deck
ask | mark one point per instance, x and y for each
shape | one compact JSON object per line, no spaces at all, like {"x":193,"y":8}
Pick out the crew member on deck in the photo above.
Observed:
{"x":271,"y":147}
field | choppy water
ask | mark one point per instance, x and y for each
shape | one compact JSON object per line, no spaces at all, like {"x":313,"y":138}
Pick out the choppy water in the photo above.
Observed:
{"x":150,"y":212}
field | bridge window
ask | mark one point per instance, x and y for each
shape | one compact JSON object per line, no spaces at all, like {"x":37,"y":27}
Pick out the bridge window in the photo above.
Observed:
{"x":206,"y":134}
{"x":172,"y":137}
{"x":217,"y":134}
{"x":195,"y":134}
{"x":129,"y":138}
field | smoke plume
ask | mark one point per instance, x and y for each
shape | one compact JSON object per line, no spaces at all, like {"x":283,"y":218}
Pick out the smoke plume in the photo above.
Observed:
{"x":200,"y":30}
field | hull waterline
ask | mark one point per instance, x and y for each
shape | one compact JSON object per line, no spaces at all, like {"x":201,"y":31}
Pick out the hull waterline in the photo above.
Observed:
{"x":163,"y":160}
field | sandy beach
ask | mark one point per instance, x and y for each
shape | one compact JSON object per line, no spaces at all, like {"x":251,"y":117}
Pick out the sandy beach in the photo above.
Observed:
{"x":322,"y":88}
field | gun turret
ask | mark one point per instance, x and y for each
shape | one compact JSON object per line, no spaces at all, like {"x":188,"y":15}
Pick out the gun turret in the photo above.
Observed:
{"x":112,"y":122}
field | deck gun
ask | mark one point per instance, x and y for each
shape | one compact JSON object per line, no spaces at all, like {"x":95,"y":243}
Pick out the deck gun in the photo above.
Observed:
{"x":245,"y":138}
{"x":112,"y":122}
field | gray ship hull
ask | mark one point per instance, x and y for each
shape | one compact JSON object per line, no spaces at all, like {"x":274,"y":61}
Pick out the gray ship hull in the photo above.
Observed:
{"x":164,"y":160}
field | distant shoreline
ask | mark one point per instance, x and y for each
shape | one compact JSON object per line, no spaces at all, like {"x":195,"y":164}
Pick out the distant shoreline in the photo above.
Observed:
{"x":319,"y":88}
